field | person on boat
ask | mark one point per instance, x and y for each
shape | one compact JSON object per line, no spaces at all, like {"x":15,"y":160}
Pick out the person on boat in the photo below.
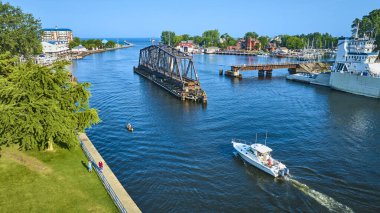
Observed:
{"x":269,"y":162}
{"x":129,"y":127}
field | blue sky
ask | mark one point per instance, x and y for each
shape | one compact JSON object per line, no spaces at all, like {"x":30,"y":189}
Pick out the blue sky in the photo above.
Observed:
{"x":143,"y":18}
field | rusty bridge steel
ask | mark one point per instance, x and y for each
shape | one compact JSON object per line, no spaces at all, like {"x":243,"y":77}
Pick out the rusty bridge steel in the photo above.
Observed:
{"x":172,"y":70}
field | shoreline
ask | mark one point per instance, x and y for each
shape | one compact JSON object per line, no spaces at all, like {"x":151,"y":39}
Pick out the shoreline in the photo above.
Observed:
{"x":111,"y":183}
{"x":90,"y":52}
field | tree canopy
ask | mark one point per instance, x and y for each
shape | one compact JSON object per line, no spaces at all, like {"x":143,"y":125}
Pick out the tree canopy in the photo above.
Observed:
{"x":252,"y":35}
{"x":41,"y":106}
{"x":75,"y":42}
{"x":20,"y":32}
{"x":211,"y":37}
{"x":369,"y":25}
{"x":167,"y":37}
{"x":110,"y":44}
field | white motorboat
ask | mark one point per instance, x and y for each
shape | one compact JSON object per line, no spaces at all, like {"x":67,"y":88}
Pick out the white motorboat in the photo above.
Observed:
{"x":259,"y":156}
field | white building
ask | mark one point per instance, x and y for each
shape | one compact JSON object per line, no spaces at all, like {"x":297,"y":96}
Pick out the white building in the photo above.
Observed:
{"x":186,"y":46}
{"x":211,"y":50}
{"x":53,"y":49}
{"x":79,"y":49}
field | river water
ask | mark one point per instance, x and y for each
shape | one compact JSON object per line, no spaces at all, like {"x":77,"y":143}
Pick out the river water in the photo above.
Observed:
{"x":180,"y":159}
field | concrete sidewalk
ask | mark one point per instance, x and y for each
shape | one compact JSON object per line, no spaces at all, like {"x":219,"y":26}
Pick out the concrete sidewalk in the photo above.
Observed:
{"x":120,"y":195}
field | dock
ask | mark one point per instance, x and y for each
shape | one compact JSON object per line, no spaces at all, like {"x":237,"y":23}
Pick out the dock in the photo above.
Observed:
{"x":234,"y":52}
{"x":114,"y":188}
{"x":172,"y":70}
{"x":266,"y":69}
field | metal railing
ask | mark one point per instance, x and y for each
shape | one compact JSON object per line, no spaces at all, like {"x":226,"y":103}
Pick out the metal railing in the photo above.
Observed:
{"x":108,"y":187}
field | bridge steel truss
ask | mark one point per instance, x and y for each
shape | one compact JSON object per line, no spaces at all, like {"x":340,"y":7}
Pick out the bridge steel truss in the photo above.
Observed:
{"x":171,"y":63}
{"x":172,"y":70}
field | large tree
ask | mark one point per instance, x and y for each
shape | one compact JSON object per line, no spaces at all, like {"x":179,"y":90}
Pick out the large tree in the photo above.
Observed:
{"x":41,"y":106}
{"x":167,"y":37}
{"x":369,"y":25}
{"x":19,"y":32}
{"x":211,"y":37}
{"x":264,"y":40}
{"x":252,"y":35}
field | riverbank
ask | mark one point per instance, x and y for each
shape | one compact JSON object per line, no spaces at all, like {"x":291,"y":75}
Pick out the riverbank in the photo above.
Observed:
{"x":90,"y":52}
{"x":52,"y":181}
{"x":117,"y":192}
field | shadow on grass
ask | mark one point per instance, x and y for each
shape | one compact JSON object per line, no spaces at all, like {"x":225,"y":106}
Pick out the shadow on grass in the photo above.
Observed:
{"x":85,"y":165}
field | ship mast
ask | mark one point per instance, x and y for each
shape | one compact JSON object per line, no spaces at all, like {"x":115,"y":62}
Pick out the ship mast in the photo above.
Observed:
{"x":357,"y":31}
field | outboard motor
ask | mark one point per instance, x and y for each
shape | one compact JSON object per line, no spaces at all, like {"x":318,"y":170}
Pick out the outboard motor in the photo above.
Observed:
{"x":286,"y":171}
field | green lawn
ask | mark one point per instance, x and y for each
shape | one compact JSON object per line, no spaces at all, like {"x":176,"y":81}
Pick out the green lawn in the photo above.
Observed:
{"x":56,"y":181}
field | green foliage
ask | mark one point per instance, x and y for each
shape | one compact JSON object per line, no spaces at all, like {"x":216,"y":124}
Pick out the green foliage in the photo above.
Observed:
{"x":211,"y":38}
{"x":19,"y":32}
{"x":92,"y":44}
{"x":294,"y":42}
{"x":176,"y":40}
{"x":7,"y":63}
{"x":110,"y":44}
{"x":312,"y":40}
{"x":369,"y":25}
{"x":252,"y":35}
{"x":264,"y":40}
{"x":228,"y":41}
{"x":196,"y":39}
{"x":75,"y":42}
{"x":40,"y":104}
{"x":167,"y":37}
{"x":185,"y":37}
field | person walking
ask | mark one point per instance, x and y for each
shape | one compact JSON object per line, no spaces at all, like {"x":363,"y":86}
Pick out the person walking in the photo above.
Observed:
{"x":89,"y":166}
{"x":100,"y":164}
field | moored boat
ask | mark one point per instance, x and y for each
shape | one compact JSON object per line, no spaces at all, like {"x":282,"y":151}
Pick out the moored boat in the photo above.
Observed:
{"x":356,"y":69}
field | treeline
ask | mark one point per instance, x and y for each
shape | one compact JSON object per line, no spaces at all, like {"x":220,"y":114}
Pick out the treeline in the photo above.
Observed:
{"x":369,"y":25}
{"x":214,"y":38}
{"x":313,"y":40}
{"x":91,"y":44}
{"x":40,"y":106}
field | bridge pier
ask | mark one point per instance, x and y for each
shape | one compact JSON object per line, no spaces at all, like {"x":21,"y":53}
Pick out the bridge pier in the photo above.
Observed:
{"x":268,"y":73}
{"x":261,"y":74}
{"x":233,"y":73}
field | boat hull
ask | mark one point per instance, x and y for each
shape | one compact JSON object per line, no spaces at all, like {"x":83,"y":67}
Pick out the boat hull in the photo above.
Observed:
{"x":243,"y":153}
{"x":257,"y":165}
{"x":355,"y":84}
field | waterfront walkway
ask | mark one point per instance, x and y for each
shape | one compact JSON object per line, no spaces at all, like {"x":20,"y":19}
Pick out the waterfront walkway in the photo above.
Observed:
{"x":114,"y":188}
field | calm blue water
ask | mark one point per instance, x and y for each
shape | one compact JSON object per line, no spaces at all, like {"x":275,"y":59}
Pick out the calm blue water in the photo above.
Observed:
{"x":179,"y":158}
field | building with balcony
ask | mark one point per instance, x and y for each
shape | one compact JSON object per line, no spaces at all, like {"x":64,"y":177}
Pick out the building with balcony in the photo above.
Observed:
{"x":57,"y":35}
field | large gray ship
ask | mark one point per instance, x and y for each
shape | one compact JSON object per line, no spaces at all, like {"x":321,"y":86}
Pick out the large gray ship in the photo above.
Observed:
{"x":356,"y":69}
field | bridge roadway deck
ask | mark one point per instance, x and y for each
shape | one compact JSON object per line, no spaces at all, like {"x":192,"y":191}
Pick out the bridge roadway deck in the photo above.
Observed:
{"x":117,"y":192}
{"x":292,"y":65}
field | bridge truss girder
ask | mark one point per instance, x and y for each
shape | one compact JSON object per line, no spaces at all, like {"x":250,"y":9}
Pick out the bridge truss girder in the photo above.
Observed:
{"x":170,"y":62}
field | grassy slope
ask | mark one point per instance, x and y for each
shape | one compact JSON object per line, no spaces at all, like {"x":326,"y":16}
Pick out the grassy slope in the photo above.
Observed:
{"x":64,"y":186}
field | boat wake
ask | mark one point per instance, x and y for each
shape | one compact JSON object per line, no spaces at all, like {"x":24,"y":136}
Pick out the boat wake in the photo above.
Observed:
{"x":326,"y":201}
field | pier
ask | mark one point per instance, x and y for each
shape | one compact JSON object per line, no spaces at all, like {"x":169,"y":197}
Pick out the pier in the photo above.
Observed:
{"x":172,"y":70}
{"x":114,"y":188}
{"x":266,"y":69}
{"x":234,"y":52}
